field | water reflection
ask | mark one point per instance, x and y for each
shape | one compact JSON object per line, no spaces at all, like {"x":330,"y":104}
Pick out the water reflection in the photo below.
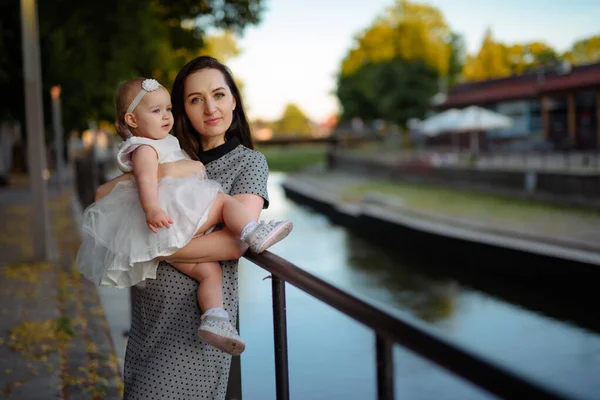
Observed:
{"x":432,"y":300}
{"x":332,"y":356}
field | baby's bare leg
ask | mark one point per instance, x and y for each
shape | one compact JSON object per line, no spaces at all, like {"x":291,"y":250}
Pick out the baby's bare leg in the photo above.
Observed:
{"x":227,"y":209}
{"x":208,"y":275}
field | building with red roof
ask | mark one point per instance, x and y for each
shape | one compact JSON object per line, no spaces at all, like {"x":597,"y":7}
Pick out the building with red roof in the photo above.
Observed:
{"x":560,"y":104}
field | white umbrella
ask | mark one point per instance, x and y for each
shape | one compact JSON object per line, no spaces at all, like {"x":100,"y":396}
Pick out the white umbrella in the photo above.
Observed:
{"x":441,"y":122}
{"x":472,"y":118}
{"x":480,"y":119}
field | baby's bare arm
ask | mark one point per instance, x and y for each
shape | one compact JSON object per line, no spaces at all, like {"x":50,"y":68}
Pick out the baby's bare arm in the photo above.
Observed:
{"x":145,"y":169}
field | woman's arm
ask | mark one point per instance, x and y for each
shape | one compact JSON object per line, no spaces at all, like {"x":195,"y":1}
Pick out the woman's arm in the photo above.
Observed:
{"x":223,"y":244}
{"x":178,"y":168}
{"x":145,"y":169}
{"x":107,"y":187}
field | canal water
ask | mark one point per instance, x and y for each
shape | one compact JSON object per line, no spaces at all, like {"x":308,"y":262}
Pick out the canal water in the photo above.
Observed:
{"x":333,"y":357}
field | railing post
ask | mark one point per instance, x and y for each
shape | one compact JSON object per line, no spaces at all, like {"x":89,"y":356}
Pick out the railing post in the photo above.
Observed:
{"x":385,"y":369}
{"x":280,"y":339}
{"x":234,"y":384}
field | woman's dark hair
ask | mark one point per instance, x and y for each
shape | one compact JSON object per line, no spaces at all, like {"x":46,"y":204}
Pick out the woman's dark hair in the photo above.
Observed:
{"x":188,"y":137}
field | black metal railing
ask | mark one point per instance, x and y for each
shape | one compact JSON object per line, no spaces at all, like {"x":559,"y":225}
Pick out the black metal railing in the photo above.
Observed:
{"x":389,"y":330}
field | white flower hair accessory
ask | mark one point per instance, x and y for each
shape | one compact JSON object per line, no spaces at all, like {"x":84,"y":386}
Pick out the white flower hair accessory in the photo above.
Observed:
{"x":148,"y":85}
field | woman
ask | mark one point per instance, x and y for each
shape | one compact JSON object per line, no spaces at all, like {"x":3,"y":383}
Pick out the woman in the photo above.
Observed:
{"x":164,"y":358}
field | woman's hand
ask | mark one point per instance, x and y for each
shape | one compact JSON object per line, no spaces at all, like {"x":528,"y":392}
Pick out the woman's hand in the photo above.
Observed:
{"x":181,"y":168}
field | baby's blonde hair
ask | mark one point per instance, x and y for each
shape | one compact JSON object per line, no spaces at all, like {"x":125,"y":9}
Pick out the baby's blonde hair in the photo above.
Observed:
{"x":124,"y":96}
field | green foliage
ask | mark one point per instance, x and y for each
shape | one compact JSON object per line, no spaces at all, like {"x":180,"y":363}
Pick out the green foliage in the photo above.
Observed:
{"x":586,"y":50}
{"x":496,"y":59}
{"x":393,"y":90}
{"x":354,"y":97}
{"x":293,"y":158}
{"x":392,"y":71}
{"x":10,"y":57}
{"x":476,"y":206}
{"x":408,"y":30}
{"x":222,"y":46}
{"x":89,"y":48}
{"x":458,"y":53}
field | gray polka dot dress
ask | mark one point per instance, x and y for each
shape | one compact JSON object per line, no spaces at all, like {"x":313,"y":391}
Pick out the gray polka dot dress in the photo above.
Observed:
{"x":164,"y":358}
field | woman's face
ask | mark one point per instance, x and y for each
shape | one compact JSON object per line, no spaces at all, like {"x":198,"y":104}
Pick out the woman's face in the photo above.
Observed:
{"x":209,"y":103}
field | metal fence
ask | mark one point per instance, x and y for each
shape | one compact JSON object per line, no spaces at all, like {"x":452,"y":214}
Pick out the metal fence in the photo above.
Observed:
{"x":388,"y":330}
{"x":568,"y":162}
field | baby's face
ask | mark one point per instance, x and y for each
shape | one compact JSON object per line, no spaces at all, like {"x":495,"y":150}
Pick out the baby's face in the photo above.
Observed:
{"x":153,"y":115}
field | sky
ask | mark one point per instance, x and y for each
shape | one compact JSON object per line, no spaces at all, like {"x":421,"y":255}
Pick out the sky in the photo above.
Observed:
{"x":295,"y":53}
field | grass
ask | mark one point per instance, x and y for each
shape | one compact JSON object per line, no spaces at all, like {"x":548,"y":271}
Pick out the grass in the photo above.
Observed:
{"x":477,"y":206}
{"x":293,"y":158}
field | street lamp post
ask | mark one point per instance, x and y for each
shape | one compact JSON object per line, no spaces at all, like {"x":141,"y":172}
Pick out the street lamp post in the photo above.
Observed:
{"x":58,"y":134}
{"x":94,"y":154}
{"x":34,"y":113}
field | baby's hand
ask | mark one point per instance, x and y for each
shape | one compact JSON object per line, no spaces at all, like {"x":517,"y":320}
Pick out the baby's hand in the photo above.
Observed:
{"x":157,"y":218}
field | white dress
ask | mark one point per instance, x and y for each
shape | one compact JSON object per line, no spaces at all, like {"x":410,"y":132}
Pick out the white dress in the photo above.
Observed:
{"x":118,"y":249}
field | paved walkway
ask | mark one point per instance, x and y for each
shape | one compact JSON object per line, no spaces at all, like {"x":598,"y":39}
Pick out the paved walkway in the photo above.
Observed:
{"x":54,"y":338}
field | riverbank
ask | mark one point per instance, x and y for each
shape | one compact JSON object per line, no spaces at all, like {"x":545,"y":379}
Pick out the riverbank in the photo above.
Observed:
{"x":515,"y":246}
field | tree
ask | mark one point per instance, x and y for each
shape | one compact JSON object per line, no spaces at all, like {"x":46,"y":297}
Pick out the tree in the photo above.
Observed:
{"x":10,"y":43}
{"x":489,"y":63}
{"x":392,"y":70}
{"x":402,"y":89}
{"x":423,"y":34}
{"x":97,"y":45}
{"x":546,"y":57}
{"x":92,"y":51}
{"x":585,"y":51}
{"x":456,"y":59}
{"x":293,"y":122}
{"x":411,"y":31}
{"x":394,"y":90}
{"x":221,"y":46}
{"x":355,"y":97}
{"x":497,"y":60}
{"x":530,"y":56}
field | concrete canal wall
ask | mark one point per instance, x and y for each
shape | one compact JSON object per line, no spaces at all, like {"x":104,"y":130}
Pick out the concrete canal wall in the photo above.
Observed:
{"x":519,"y":260}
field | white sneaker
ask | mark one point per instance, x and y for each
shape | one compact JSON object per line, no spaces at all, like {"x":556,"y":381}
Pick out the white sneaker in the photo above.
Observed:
{"x":218,"y":332}
{"x":266,"y":235}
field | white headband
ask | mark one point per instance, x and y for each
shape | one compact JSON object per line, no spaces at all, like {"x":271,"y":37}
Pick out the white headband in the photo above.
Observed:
{"x":148,"y":85}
